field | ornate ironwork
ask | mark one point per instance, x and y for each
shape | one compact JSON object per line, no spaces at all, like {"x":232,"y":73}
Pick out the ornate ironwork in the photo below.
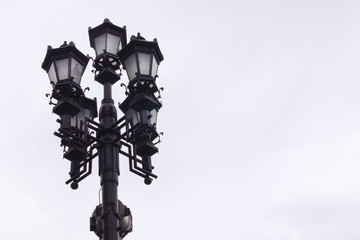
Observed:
{"x":84,"y":139}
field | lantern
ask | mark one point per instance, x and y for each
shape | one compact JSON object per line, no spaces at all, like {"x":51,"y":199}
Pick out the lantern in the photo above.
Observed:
{"x":107,"y":39}
{"x":141,"y":109}
{"x":88,"y":110}
{"x":141,"y":112}
{"x":141,"y":60}
{"x":75,"y":152}
{"x":65,"y":67}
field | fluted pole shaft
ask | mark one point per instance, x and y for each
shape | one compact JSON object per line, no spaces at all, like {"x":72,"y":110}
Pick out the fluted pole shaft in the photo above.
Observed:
{"x":109,"y":165}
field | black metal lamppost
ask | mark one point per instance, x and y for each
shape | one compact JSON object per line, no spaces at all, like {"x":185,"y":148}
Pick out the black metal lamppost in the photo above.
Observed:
{"x":133,"y":135}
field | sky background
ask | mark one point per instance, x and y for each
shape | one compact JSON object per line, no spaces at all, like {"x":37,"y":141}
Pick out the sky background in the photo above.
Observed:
{"x":261,"y":120}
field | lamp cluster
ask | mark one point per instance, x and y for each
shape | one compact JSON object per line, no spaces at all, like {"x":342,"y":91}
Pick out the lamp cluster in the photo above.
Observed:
{"x":134,"y":135}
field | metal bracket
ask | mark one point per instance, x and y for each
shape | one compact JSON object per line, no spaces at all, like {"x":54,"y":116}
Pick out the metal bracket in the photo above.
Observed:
{"x":124,"y":128}
{"x":83,"y":140}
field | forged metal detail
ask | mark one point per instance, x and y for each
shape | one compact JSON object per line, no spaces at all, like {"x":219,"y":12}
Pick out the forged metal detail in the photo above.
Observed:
{"x":159,"y":92}
{"x":48,"y":95}
{"x":159,"y":141}
{"x":87,"y":145}
{"x":126,"y":89}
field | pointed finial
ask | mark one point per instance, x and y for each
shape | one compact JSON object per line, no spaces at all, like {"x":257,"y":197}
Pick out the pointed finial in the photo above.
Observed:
{"x":139,"y":37}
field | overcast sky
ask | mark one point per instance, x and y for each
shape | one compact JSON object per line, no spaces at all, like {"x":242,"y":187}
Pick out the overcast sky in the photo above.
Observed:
{"x":261,"y":120}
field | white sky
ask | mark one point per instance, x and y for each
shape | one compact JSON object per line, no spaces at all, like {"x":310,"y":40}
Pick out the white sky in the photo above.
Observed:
{"x":261,"y":118}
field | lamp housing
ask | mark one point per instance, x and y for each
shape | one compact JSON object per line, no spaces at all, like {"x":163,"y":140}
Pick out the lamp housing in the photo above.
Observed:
{"x":88,"y":110}
{"x":141,"y":109}
{"x":107,"y":39}
{"x":141,"y":59}
{"x":65,"y":66}
{"x":66,"y":108}
{"x":76,"y":150}
{"x":141,"y":113}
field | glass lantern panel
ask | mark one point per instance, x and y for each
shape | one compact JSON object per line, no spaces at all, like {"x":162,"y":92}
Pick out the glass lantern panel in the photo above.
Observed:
{"x":113,"y":43}
{"x":76,"y":70}
{"x":88,"y":113}
{"x":132,"y":116}
{"x":52,"y":74}
{"x":144,"y":63}
{"x":80,"y":118}
{"x":131,"y":66}
{"x":62,"y":68}
{"x":153,"y":118}
{"x":145,"y":116}
{"x":100,"y":44}
{"x":74,"y":121}
{"x":154,"y":67}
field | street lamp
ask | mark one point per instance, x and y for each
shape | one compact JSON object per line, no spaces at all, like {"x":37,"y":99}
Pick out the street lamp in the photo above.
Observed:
{"x":133,"y":135}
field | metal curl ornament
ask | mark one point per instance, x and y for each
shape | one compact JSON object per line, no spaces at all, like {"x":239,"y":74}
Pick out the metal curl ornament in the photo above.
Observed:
{"x":50,"y":100}
{"x":159,"y":92}
{"x":126,"y":88}
{"x":159,"y":141}
{"x":86,"y":89}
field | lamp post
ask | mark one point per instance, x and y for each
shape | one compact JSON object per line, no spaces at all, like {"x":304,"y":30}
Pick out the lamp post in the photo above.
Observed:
{"x":133,"y":135}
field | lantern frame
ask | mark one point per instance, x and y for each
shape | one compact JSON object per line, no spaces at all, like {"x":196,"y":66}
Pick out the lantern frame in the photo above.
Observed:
{"x":138,"y":80}
{"x":65,"y":86}
{"x":143,"y":130}
{"x":88,"y":110}
{"x":107,"y":28}
{"x":138,"y":104}
{"x":106,"y":58}
{"x":78,"y":123}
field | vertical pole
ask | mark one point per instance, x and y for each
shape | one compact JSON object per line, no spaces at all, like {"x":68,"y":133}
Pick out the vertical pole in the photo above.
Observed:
{"x":109,"y":166}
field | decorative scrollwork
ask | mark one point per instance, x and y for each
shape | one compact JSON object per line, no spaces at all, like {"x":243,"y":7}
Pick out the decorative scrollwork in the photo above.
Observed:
{"x":86,"y":89}
{"x":159,"y":141}
{"x":50,"y":100}
{"x":159,"y":92}
{"x":126,"y":89}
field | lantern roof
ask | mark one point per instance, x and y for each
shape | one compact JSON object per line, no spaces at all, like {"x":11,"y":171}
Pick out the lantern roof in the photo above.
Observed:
{"x":139,"y":43}
{"x":107,"y":27}
{"x":142,"y":101}
{"x":63,"y":51}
